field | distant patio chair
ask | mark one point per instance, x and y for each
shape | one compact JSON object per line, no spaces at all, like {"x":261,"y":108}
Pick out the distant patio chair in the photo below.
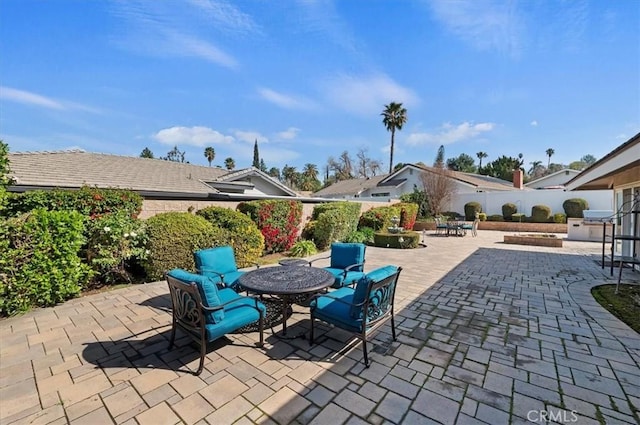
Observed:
{"x":206,"y":313}
{"x":441,"y":226}
{"x":218,"y":263}
{"x":347,"y":263}
{"x":474,"y":227}
{"x":362,"y":309}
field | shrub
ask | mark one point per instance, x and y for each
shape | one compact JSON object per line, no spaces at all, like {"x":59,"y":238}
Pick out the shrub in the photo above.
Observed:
{"x":173,"y":237}
{"x":450,"y":215}
{"x":114,"y":240}
{"x":239,"y":231}
{"x":333,"y":225}
{"x":303,"y":249}
{"x":519,"y":217}
{"x":471,"y":209}
{"x":482,"y":217}
{"x":559,"y":218}
{"x":408,"y":214}
{"x":307,"y":231}
{"x":495,"y":217}
{"x":353,"y":208}
{"x":540,"y":214}
{"x":378,"y":218}
{"x":574,"y":207}
{"x":278,"y":221}
{"x":396,"y":240}
{"x":418,"y":197}
{"x":41,"y":266}
{"x":508,"y":210}
{"x":88,"y":201}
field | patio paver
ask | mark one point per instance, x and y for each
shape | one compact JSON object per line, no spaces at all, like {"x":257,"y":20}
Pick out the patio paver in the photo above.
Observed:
{"x":487,"y":333}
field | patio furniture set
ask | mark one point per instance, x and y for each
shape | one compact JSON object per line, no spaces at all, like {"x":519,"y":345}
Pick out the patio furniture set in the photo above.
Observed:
{"x":208,"y":304}
{"x":456,"y":227}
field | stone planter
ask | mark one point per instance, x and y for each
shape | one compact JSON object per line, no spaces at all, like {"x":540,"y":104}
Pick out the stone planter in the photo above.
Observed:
{"x":537,"y":240}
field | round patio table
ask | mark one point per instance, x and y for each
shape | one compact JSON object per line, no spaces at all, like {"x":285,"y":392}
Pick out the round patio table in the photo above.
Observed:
{"x":286,"y":282}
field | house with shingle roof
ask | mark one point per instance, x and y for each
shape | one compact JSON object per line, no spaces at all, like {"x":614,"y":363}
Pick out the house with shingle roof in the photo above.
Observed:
{"x":151,"y":178}
{"x":402,"y":181}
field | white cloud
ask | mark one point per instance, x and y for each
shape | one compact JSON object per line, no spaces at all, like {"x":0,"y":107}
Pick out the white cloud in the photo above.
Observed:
{"x":289,"y":134}
{"x":250,"y":136}
{"x":226,"y":15}
{"x":284,"y":100}
{"x":29,"y":98}
{"x":534,"y":123}
{"x":366,"y":95}
{"x":192,"y":136}
{"x":184,"y":45}
{"x":485,"y":24}
{"x":449,"y":134}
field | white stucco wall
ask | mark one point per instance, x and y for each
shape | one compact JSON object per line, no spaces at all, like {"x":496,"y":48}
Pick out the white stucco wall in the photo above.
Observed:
{"x":525,"y":199}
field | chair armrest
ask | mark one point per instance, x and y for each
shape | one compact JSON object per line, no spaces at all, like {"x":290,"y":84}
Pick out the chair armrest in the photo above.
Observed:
{"x":316,"y":259}
{"x":348,"y":268}
{"x":222,"y":306}
{"x":206,"y":270}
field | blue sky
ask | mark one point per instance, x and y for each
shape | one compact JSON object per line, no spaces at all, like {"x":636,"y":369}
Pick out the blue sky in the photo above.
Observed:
{"x":308,"y":79}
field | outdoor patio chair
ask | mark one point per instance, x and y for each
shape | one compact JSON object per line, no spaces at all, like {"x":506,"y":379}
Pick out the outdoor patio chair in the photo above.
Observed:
{"x":474,"y":227}
{"x":347,"y":263}
{"x":218,"y":263}
{"x":206,"y":313}
{"x":441,"y":226}
{"x":362,"y":309}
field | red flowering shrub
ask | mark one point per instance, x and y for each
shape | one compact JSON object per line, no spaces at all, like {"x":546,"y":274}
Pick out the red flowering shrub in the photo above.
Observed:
{"x":278,"y":221}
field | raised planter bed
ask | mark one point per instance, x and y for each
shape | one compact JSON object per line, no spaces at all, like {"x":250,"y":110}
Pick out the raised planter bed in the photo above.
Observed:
{"x":537,"y":240}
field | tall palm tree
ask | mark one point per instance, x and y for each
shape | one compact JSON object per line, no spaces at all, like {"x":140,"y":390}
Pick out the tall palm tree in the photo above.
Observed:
{"x":481,"y":155}
{"x":394,"y":117}
{"x":229,"y":164}
{"x":210,"y":154}
{"x":550,"y":153}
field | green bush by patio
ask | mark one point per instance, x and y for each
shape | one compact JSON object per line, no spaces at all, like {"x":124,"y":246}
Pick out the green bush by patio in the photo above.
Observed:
{"x":574,"y":207}
{"x":471,"y":209}
{"x":333,"y":221}
{"x":39,"y":262}
{"x":239,"y":231}
{"x":540,"y":214}
{"x":278,"y":221}
{"x":173,"y":237}
{"x":396,"y":240}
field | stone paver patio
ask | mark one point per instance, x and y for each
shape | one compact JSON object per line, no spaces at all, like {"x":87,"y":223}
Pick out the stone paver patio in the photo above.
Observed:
{"x":488,"y":333}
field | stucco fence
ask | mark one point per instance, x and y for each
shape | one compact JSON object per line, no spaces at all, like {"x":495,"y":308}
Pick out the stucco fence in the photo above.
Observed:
{"x":506,"y":226}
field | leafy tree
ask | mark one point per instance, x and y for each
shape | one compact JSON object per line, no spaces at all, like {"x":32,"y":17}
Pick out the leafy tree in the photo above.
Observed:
{"x":146,"y":153}
{"x":398,"y":166}
{"x":439,"y":162}
{"x":549,"y":153}
{"x":263,"y":166}
{"x":588,"y":159}
{"x":503,"y":167}
{"x":256,"y":155}
{"x":394,"y":117}
{"x":274,"y":172}
{"x":174,"y":155}
{"x":229,"y":164}
{"x":210,"y":154}
{"x":480,"y":156}
{"x":463,"y":162}
{"x":309,"y":178}
{"x":578,"y":165}
{"x":537,"y":170}
{"x":289,"y":175}
{"x":5,"y":180}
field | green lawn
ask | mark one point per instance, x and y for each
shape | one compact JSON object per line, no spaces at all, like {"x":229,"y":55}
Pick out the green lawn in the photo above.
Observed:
{"x":625,"y":306}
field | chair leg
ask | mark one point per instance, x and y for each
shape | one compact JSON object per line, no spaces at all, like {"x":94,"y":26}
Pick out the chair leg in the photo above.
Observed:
{"x":311,"y":332}
{"x":364,"y":350}
{"x":203,"y":353}
{"x":393,"y":327}
{"x":261,"y":329}
{"x":173,"y":334}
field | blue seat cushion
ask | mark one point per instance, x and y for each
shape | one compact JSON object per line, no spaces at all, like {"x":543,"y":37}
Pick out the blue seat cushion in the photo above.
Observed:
{"x":360,"y":292}
{"x":239,"y":313}
{"x":336,"y":312}
{"x":208,"y":290}
{"x":220,"y":259}
{"x":344,"y":255}
{"x":340,"y":278}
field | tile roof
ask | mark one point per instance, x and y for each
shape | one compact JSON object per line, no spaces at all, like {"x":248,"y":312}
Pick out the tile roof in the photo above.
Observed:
{"x":350,"y":187}
{"x":479,"y":181}
{"x":72,"y":169}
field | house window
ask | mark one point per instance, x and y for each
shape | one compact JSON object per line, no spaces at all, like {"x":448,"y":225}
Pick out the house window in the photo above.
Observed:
{"x":374,"y":195}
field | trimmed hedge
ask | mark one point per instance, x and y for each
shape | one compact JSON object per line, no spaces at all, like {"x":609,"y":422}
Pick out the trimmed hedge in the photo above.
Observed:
{"x":239,"y":231}
{"x":574,"y":207}
{"x":495,"y":217}
{"x":88,"y":201}
{"x":379,"y":218}
{"x":396,"y":240}
{"x":471,"y":209}
{"x":540,"y":214}
{"x":173,"y":237}
{"x":278,"y":221}
{"x":508,"y":210}
{"x":39,"y":262}
{"x":334,"y":224}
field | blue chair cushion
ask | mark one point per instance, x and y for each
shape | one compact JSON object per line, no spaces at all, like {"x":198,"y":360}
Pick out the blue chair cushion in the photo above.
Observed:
{"x":230,"y":278}
{"x":208,"y":292}
{"x":360,"y":292}
{"x":336,"y":312}
{"x":344,"y":255}
{"x":220,"y":259}
{"x":339,"y":275}
{"x":237,"y":314}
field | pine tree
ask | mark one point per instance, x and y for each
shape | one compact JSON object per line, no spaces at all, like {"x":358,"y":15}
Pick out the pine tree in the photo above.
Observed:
{"x":256,"y":155}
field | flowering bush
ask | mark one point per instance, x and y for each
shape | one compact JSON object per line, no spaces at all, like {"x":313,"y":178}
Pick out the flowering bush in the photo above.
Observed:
{"x":277,"y":220}
{"x":114,"y":240}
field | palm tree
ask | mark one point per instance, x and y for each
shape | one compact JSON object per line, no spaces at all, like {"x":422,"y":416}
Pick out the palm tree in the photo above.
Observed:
{"x":229,"y":164}
{"x":481,"y":155}
{"x":549,"y":152}
{"x":210,"y":154}
{"x":394,"y":117}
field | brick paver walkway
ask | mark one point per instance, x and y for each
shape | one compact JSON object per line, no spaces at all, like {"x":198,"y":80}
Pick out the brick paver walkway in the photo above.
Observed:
{"x":488,"y":333}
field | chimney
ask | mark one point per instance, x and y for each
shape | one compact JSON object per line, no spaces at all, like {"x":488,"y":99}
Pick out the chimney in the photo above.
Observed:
{"x":517,"y":178}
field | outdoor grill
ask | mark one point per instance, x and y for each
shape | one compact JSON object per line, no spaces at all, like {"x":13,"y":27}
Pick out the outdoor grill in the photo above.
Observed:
{"x":590,"y":227}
